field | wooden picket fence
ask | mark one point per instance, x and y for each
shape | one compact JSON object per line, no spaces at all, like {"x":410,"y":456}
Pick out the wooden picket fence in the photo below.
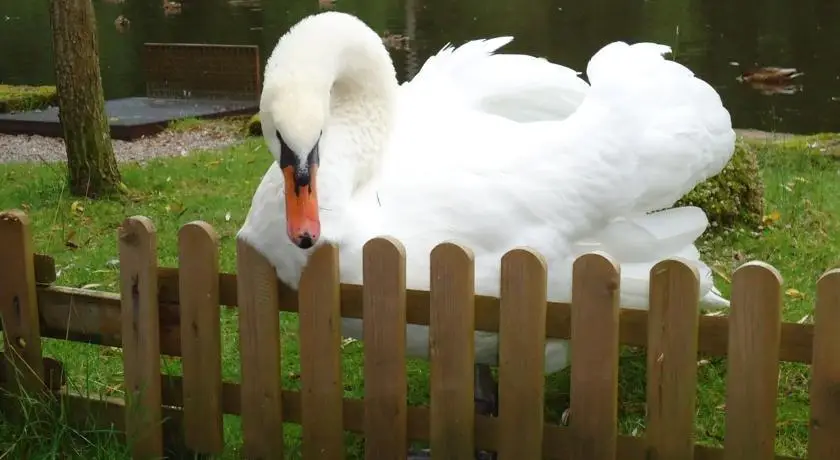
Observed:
{"x":175,"y":312}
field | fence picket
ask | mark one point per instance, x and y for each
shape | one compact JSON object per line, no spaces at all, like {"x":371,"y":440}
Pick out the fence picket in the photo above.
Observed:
{"x":201,"y":337}
{"x":452,"y":351}
{"x":594,"y":382}
{"x":521,"y":354}
{"x":19,"y":308}
{"x":320,"y":358}
{"x":824,"y":441}
{"x":753,"y":362}
{"x":141,"y":336}
{"x":180,"y":307}
{"x":672,"y":360}
{"x":259,"y":344}
{"x":384,"y":337}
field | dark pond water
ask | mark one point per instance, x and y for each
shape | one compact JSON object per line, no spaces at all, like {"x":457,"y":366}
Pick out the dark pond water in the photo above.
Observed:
{"x":718,"y":39}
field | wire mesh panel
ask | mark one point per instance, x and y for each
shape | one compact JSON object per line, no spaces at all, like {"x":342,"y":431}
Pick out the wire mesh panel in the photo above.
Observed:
{"x":202,"y":71}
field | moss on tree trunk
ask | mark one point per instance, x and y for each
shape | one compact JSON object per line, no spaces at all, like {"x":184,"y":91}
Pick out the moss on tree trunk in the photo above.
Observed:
{"x":91,"y":165}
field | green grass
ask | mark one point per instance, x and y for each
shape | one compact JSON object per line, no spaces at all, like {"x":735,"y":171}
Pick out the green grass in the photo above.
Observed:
{"x":217,"y":187}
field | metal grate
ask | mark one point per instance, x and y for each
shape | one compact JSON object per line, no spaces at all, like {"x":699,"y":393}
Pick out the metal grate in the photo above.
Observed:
{"x":207,"y":71}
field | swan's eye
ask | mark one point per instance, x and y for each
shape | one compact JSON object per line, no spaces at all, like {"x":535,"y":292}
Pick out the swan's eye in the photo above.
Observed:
{"x":287,"y":155}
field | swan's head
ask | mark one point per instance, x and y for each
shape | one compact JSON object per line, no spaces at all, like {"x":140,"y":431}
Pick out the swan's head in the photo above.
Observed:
{"x":292,"y":126}
{"x":328,"y":71}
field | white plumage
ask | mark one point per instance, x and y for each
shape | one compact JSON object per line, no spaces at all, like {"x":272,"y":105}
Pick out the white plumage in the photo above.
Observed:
{"x":492,"y":152}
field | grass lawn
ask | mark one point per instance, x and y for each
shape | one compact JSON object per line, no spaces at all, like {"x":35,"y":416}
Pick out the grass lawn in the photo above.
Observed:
{"x":216,"y":187}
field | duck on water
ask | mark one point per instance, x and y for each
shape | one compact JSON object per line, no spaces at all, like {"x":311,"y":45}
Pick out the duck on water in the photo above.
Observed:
{"x":489,"y":151}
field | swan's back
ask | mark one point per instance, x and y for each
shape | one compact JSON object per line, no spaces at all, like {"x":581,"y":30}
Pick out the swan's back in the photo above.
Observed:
{"x":457,"y":173}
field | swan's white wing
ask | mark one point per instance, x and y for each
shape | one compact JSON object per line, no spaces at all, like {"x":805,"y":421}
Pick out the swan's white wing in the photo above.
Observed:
{"x":670,"y":129}
{"x":519,"y":87}
{"x":646,"y":134}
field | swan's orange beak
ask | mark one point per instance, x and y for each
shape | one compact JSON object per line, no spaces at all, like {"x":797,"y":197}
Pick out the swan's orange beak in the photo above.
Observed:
{"x":302,"y":222}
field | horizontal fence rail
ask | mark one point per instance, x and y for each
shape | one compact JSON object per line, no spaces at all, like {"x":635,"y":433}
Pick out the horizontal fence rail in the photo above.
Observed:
{"x":165,"y":311}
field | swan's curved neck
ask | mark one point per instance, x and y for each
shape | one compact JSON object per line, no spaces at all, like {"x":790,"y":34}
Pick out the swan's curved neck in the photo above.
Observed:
{"x":339,"y":66}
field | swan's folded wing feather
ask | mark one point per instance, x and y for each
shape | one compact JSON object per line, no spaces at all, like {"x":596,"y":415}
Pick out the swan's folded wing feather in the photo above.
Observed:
{"x":519,"y":87}
{"x":648,"y":132}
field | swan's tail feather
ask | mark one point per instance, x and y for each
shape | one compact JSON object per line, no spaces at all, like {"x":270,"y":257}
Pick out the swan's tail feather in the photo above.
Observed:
{"x":674,"y":124}
{"x":639,"y":243}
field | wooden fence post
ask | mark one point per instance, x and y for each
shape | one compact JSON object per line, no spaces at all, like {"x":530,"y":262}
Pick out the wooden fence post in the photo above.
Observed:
{"x":824,"y":441}
{"x":19,"y":306}
{"x":201,"y":337}
{"x":319,"y":318}
{"x":384,"y":325}
{"x":259,"y":346}
{"x":141,"y":336}
{"x":752,"y":374}
{"x":673,"y":321}
{"x":522,"y":311}
{"x":596,"y":283}
{"x":452,"y":351}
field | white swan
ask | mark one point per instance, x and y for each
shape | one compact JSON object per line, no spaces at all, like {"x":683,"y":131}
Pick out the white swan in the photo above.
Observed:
{"x":486,"y":152}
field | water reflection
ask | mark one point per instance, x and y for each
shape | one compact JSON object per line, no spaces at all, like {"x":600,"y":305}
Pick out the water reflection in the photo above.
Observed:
{"x":718,"y":39}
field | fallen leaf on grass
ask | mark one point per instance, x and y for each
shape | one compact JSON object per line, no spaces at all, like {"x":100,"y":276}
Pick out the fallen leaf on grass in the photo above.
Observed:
{"x":791,"y":292}
{"x":76,"y":207}
{"x":719,"y":272}
{"x":68,"y":242}
{"x":176,"y":208}
{"x":771,"y":218}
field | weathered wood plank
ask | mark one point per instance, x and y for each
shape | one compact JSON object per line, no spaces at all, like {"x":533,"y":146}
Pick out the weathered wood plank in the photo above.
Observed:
{"x":141,"y":347}
{"x":522,"y":354}
{"x":320,"y":356}
{"x":752,"y":374}
{"x":824,"y":439}
{"x":201,"y":337}
{"x":452,"y":352}
{"x":384,"y":339}
{"x":594,"y":382}
{"x":259,"y":344}
{"x":19,"y":307}
{"x":78,"y":314}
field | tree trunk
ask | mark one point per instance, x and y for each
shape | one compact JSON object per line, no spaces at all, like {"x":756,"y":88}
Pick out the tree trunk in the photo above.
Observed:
{"x":91,"y":165}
